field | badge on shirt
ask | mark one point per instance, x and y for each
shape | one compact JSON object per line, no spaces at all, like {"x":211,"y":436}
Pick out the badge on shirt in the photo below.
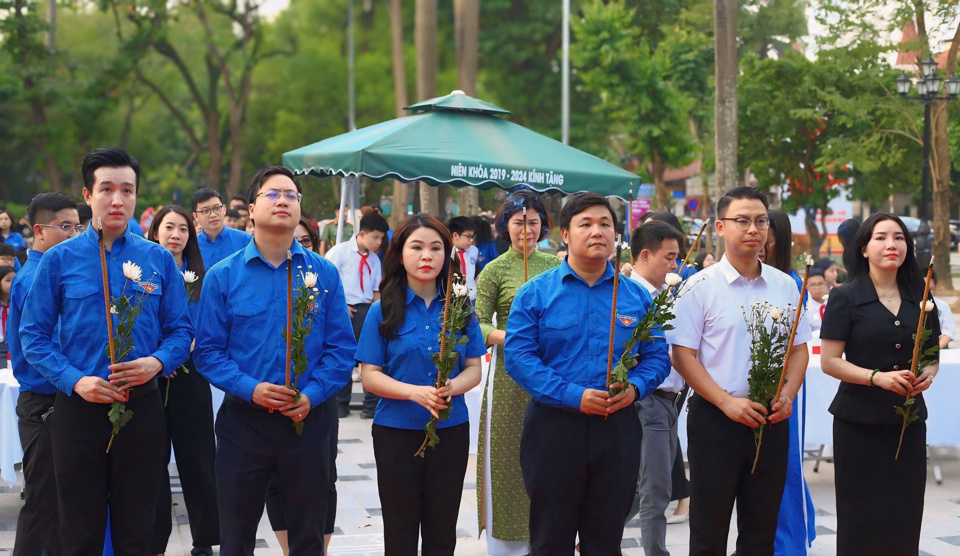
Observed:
{"x":626,"y":320}
{"x":147,"y":286}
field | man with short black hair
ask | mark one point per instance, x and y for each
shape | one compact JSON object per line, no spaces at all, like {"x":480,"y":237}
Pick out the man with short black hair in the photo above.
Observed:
{"x":54,"y":219}
{"x":232,"y":220}
{"x":711,"y":350}
{"x":240,"y":349}
{"x":216,"y":240}
{"x":238,"y":202}
{"x":64,"y":335}
{"x":464,"y":233}
{"x":8,"y":257}
{"x":656,"y":246}
{"x":578,"y":445}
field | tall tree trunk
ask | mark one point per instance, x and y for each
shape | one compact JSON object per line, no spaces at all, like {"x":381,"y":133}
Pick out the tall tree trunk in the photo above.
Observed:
{"x":725,"y":54}
{"x":426,"y":41}
{"x":940,"y":172}
{"x":51,"y":38}
{"x":658,"y":169}
{"x":466,"y":16}
{"x":398,"y":208}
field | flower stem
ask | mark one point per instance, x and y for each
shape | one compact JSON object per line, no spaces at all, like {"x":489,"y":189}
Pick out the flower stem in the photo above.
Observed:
{"x":110,"y":444}
{"x":903,"y":429}
{"x":757,"y":456}
{"x":166,"y":397}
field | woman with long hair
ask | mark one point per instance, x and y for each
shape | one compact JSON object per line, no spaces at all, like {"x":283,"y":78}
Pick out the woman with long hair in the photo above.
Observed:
{"x":796,"y":527}
{"x":502,"y":501}
{"x":188,"y":405}
{"x":419,"y":497}
{"x":7,"y":233}
{"x":872,"y":319}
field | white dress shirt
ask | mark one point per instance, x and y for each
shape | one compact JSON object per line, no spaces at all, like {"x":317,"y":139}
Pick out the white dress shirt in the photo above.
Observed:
{"x":948,"y":326}
{"x":710,"y":319}
{"x":470,"y":257}
{"x":813,"y":309}
{"x":674,"y":382}
{"x":346,"y":257}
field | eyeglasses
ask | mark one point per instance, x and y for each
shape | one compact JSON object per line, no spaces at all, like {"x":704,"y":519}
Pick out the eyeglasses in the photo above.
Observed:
{"x":273,"y":195}
{"x":743,"y":223}
{"x":306,"y":242}
{"x":212,"y":210}
{"x":469,"y":237}
{"x":66,"y":228}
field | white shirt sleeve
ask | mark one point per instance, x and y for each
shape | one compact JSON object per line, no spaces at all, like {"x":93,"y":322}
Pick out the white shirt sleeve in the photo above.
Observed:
{"x":688,"y":323}
{"x":376,"y":271}
{"x":948,"y":325}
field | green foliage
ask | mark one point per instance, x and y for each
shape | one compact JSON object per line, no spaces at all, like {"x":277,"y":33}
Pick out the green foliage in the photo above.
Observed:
{"x":651,"y":327}
{"x":304,"y":311}
{"x":447,"y":357}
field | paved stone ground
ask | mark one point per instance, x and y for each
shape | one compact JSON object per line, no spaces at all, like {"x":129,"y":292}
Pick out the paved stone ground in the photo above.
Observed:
{"x":360,"y":527}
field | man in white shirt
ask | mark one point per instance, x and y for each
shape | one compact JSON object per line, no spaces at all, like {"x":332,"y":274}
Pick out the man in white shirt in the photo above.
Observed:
{"x":464,"y":233}
{"x":948,"y":326}
{"x":656,"y":246}
{"x":359,"y":267}
{"x":817,"y":289}
{"x":711,"y":350}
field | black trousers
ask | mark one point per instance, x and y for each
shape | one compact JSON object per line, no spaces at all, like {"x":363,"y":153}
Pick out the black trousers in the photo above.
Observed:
{"x":370,"y":400}
{"x":189,"y":416}
{"x":579,"y":471}
{"x":252,"y":446}
{"x":275,"y":509}
{"x":420,"y":497}
{"x":721,"y":453}
{"x":89,"y":480}
{"x":680,"y":485}
{"x":37,"y":525}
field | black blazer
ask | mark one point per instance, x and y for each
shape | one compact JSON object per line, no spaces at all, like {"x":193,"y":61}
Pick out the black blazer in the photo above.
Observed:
{"x":875,"y":339}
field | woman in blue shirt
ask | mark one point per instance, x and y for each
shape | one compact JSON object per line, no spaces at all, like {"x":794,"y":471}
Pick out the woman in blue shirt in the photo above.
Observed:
{"x":188,"y":406}
{"x":7,"y":235}
{"x":419,"y":497}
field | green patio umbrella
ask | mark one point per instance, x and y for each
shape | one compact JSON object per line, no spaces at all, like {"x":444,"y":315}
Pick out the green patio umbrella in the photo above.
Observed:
{"x":460,"y":140}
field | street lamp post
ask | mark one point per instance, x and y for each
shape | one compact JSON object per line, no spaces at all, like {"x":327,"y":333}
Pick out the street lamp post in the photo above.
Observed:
{"x":928,"y":89}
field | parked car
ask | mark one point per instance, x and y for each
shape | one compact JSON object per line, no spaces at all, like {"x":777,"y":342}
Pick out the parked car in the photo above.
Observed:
{"x":922,"y":235}
{"x":954,"y":234}
{"x":693,"y":226}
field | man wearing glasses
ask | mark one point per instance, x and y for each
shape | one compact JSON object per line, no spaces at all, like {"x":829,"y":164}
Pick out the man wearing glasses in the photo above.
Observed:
{"x":711,"y":350}
{"x":54,"y":219}
{"x":241,"y":350}
{"x":216,"y":241}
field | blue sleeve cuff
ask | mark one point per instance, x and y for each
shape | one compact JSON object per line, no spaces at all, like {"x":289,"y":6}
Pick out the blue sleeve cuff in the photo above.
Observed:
{"x":572,"y":395}
{"x":246,"y":387}
{"x":313,"y":392}
{"x":164,"y":356}
{"x":68,"y":379}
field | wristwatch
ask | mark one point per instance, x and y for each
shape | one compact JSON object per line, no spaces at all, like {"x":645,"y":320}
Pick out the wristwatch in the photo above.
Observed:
{"x":636,"y":392}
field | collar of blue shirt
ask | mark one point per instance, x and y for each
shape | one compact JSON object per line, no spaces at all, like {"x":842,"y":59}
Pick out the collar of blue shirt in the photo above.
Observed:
{"x":33,"y":255}
{"x":566,"y":271}
{"x":91,"y":234}
{"x":411,"y":295}
{"x":251,"y":252}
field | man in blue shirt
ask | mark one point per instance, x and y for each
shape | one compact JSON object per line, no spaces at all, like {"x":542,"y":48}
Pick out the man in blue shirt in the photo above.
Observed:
{"x":576,"y":434}
{"x":54,"y":219}
{"x":68,"y":292}
{"x":216,"y":241}
{"x":240,"y":349}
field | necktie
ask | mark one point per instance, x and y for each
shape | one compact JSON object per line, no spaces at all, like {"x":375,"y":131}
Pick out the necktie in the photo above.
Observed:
{"x":363,"y":261}
{"x":463,"y":263}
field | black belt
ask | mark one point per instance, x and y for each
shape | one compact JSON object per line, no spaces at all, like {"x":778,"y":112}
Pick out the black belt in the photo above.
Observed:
{"x":672,"y":396}
{"x":143,"y":389}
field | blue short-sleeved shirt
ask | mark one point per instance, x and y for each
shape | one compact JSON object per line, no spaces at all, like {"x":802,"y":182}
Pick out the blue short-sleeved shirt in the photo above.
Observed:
{"x":15,"y":240}
{"x":68,"y":289}
{"x":29,"y":378}
{"x":242,"y":314}
{"x":407,"y":359}
{"x":228,"y":242}
{"x":558,"y":336}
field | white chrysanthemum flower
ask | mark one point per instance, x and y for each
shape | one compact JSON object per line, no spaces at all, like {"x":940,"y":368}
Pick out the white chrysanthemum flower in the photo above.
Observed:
{"x":189,"y":276}
{"x":310,"y":279}
{"x":809,"y":260}
{"x":775,"y":314}
{"x":460,"y":290}
{"x":929,"y":306}
{"x":673,"y":279}
{"x":132,"y":271}
{"x":825,"y":298}
{"x":113,"y":310}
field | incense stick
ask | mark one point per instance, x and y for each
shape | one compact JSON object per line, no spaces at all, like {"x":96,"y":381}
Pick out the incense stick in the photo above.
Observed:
{"x":525,"y":245}
{"x":446,"y":313}
{"x":916,"y":347}
{"x":793,"y":329}
{"x":693,"y":248}
{"x":613,"y":311}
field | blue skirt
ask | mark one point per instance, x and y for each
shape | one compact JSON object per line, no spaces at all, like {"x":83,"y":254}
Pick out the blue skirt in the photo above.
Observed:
{"x":796,"y":528}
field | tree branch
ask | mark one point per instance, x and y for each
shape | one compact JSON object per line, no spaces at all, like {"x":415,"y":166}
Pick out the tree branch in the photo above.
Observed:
{"x":177,"y":113}
{"x":903,"y":133}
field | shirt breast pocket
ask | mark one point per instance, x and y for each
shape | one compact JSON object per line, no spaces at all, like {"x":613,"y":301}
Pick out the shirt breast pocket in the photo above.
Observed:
{"x":81,"y":298}
{"x":624,"y":329}
{"x":251,"y":326}
{"x":149,"y":294}
{"x":558,"y":333}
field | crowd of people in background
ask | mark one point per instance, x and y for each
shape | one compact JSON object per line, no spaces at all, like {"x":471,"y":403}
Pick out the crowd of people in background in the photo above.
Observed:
{"x":212,"y":279}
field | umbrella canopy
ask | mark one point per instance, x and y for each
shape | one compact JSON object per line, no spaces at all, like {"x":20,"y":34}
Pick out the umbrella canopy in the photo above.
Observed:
{"x":460,"y":141}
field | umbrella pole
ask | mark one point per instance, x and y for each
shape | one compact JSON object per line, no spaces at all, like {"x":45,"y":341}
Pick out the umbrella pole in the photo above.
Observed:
{"x":343,"y":204}
{"x":630,"y":218}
